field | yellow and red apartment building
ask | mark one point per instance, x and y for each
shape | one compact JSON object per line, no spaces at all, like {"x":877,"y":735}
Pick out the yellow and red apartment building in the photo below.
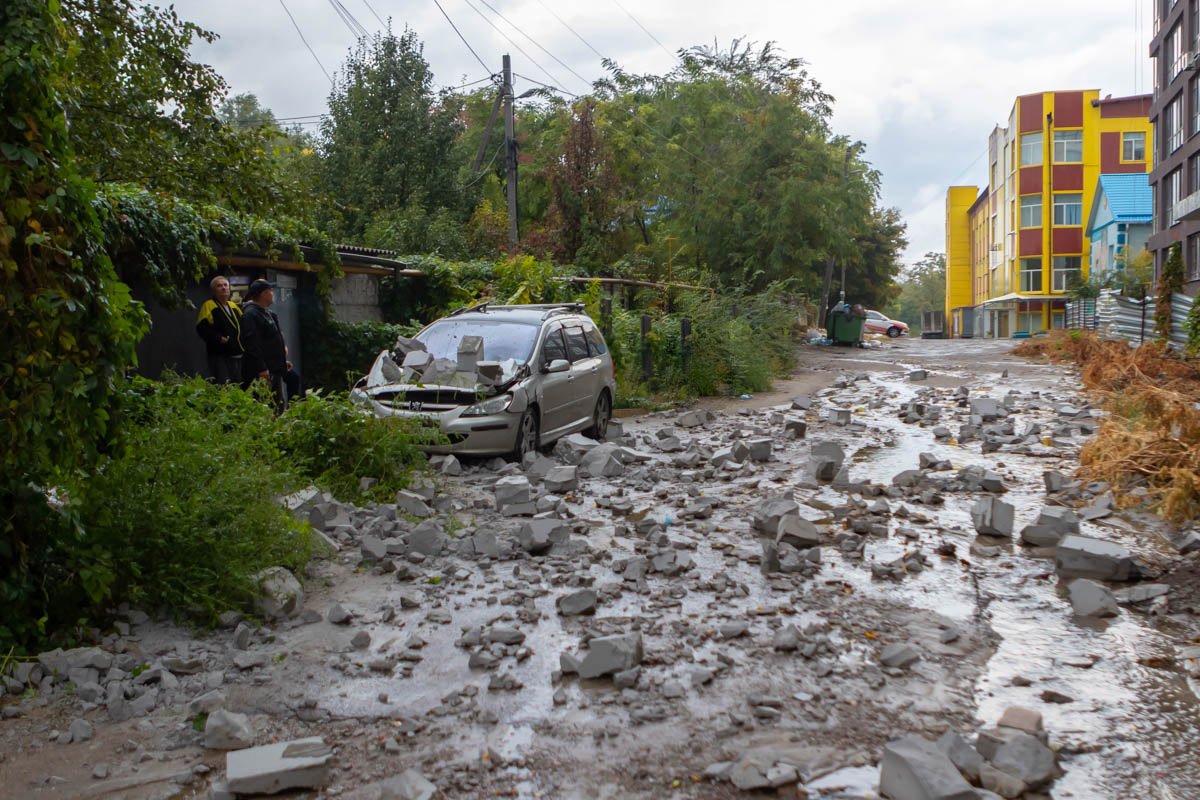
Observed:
{"x":1015,"y":247}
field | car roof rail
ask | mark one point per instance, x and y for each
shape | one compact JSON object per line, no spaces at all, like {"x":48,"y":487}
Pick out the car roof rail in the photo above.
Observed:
{"x":481,"y":308}
{"x":549,"y":308}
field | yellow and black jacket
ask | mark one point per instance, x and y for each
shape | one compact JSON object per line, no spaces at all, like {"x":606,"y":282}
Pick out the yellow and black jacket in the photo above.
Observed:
{"x":214,"y":323}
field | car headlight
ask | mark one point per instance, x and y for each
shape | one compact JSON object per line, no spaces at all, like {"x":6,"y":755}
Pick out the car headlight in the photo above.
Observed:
{"x":484,"y":408}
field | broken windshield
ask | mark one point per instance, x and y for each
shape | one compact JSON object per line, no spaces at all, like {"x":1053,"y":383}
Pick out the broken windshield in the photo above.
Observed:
{"x":501,"y":339}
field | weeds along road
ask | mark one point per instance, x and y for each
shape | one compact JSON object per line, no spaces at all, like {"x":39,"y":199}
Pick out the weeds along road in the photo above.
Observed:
{"x":743,"y":595}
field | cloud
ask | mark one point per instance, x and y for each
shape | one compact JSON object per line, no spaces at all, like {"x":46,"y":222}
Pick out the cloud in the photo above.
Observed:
{"x":922,"y":84}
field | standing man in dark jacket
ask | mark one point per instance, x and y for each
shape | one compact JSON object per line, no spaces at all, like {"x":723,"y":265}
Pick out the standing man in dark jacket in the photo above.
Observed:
{"x":262,"y":338}
{"x":219,"y":324}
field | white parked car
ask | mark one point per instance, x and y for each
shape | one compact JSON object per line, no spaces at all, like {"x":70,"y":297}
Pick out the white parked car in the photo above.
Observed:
{"x":878,"y":323}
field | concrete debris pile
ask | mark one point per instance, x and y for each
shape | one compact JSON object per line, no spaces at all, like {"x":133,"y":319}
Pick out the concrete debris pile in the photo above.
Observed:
{"x":410,"y":363}
{"x":1010,"y":760}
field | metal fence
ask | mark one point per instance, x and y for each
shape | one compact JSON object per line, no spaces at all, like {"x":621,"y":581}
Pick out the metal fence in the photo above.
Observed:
{"x":1120,"y":317}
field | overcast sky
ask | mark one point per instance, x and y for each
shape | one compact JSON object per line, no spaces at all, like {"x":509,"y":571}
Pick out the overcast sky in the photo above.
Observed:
{"x":921,"y":83}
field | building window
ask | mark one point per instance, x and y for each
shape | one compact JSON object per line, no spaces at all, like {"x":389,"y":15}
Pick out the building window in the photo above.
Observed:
{"x":1176,"y":55}
{"x":1194,"y":91}
{"x":1192,"y":265}
{"x":1065,"y":272}
{"x":1031,"y":211}
{"x":1193,"y":174}
{"x":1172,"y":194}
{"x":1029,"y":321}
{"x":1172,"y":121}
{"x":1031,"y":274}
{"x":1133,"y":146}
{"x":1031,"y":149}
{"x":1068,"y":209}
{"x":1068,"y":147}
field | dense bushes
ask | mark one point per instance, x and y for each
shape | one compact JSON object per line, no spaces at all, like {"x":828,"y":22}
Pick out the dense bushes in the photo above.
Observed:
{"x":336,"y":354}
{"x":188,"y":509}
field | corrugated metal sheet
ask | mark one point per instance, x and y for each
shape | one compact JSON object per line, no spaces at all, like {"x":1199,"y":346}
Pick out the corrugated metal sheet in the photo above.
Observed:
{"x":1129,"y":196}
{"x":1121,"y":317}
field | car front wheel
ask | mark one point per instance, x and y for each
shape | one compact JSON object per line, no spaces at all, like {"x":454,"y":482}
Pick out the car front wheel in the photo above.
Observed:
{"x":600,"y":417}
{"x":893,"y":332}
{"x":527,"y":434}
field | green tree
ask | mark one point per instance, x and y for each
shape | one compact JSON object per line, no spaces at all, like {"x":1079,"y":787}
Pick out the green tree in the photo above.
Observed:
{"x":68,"y":325}
{"x":388,"y":138}
{"x":922,"y":288}
{"x":1170,"y":282}
{"x":141,"y":111}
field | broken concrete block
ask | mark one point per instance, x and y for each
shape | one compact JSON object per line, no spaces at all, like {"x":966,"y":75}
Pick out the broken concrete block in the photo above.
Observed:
{"x":913,"y":768}
{"x":961,"y":753}
{"x":749,"y":774}
{"x":575,"y":603}
{"x":404,"y":345}
{"x":417,"y":360}
{"x":428,"y":538}
{"x":766,"y":517}
{"x":1060,"y":519}
{"x":801,"y":403}
{"x":798,"y":532}
{"x":602,"y":461}
{"x":573,"y":448}
{"x":1090,"y":599}
{"x":796,"y":428}
{"x":918,"y":375}
{"x":987,"y":408}
{"x":562,"y":479}
{"x":609,"y":654}
{"x":280,"y":594}
{"x":408,"y":785}
{"x":759,"y":449}
{"x":538,"y":535}
{"x":412,"y":503}
{"x":511,"y":490}
{"x":1082,"y":557}
{"x":899,"y":655}
{"x":825,"y":461}
{"x":470,"y":353}
{"x":1022,"y":719}
{"x":694,"y":418}
{"x":1000,"y":782}
{"x":272,"y":768}
{"x":1041,"y":536}
{"x":1025,"y":757}
{"x":993,"y":517}
{"x":485,"y":543}
{"x":1189,"y":543}
{"x":840,"y":417}
{"x":227,"y":730}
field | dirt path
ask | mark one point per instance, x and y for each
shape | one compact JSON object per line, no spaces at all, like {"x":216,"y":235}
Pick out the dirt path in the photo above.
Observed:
{"x":797,"y":667}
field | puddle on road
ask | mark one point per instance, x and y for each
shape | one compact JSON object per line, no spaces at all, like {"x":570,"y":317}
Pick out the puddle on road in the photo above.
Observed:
{"x":1130,"y":730}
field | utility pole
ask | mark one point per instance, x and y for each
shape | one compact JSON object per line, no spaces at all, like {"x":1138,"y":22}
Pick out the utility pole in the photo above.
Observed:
{"x":510,"y":154}
{"x":828,"y":283}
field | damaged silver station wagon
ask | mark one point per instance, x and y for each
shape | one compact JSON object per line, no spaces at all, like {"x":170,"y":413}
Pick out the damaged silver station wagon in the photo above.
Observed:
{"x":499,"y":379}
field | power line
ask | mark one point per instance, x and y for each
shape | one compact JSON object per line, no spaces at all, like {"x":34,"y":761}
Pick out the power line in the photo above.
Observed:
{"x":470,"y":83}
{"x":644,"y":30}
{"x":546,"y":85}
{"x":518,"y":47}
{"x":356,"y":28}
{"x":572,"y":30}
{"x":566,"y":66}
{"x":372,"y":10}
{"x":486,"y":169}
{"x":460,"y":36}
{"x":306,"y":44}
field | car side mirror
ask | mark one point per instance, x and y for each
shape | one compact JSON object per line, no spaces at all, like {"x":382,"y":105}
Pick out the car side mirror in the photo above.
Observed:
{"x":557,"y":365}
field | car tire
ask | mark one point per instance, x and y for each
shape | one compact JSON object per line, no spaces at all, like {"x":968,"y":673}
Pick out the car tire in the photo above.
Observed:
{"x":528,"y":434}
{"x":893,"y":332}
{"x":600,"y":417}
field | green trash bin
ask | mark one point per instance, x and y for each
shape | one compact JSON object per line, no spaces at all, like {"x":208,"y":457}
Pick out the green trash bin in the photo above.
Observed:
{"x":846,"y":324}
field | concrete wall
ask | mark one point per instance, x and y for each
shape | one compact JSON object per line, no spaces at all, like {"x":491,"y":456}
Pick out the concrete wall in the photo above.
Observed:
{"x":356,"y":299}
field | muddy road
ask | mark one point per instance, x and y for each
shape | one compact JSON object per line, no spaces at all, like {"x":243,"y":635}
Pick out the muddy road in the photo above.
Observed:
{"x":638,"y":632}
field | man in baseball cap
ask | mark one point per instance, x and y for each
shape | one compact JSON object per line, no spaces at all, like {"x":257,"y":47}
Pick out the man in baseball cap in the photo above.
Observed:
{"x":266,"y":352}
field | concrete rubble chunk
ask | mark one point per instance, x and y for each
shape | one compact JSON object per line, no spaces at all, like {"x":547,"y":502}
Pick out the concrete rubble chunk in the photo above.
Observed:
{"x":512,"y":490}
{"x":961,"y":753}
{"x":993,"y":517}
{"x":1190,"y":543}
{"x":913,"y":768}
{"x":573,"y":448}
{"x":272,"y":768}
{"x":575,"y":603}
{"x":749,"y":774}
{"x":536,"y":536}
{"x":825,"y":461}
{"x":227,"y":730}
{"x":694,"y":418}
{"x":1022,"y":719}
{"x":610,"y":654}
{"x":408,"y":785}
{"x":1060,"y":519}
{"x":602,"y":461}
{"x":796,"y":531}
{"x":1041,"y":536}
{"x":1001,"y":783}
{"x":987,"y":408}
{"x":1090,"y":599}
{"x":1142,"y":593}
{"x":899,"y":655}
{"x":1083,"y":557}
{"x":767,"y":515}
{"x":412,"y":503}
{"x":759,"y":449}
{"x":562,"y":479}
{"x":80,"y":730}
{"x":1025,"y":757}
{"x":280,"y":594}
{"x":428,"y":538}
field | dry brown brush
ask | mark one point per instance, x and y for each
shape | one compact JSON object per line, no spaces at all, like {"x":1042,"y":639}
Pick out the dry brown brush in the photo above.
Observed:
{"x":1151,"y":437}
